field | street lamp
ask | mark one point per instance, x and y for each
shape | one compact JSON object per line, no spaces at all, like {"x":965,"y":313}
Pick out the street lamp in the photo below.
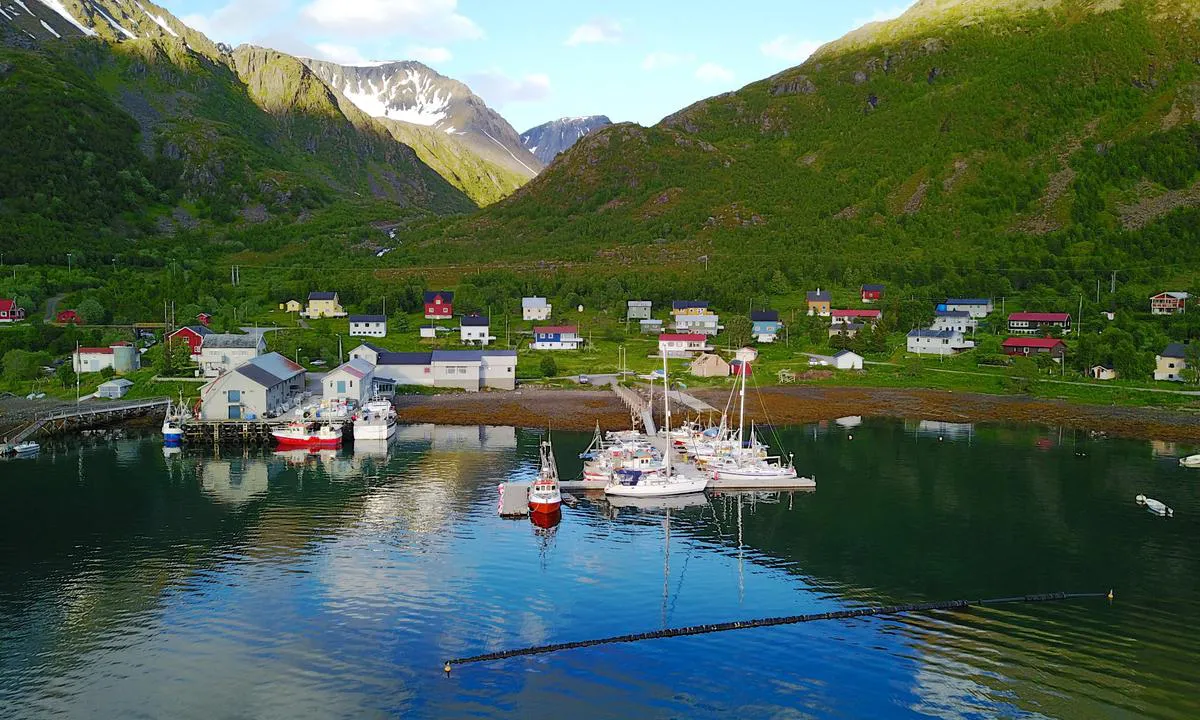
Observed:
{"x":69,"y":255}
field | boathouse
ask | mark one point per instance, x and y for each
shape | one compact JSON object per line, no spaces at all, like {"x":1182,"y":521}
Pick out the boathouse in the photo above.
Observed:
{"x":114,"y":389}
{"x":848,"y":360}
{"x":266,"y":385}
{"x":353,"y":380}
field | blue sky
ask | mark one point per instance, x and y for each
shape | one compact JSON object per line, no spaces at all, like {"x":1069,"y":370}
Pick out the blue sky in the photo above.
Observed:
{"x":536,"y":60}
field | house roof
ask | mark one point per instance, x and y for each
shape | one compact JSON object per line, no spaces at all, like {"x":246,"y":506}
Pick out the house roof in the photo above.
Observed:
{"x":696,"y":319}
{"x":368,"y":318}
{"x":935,"y":334}
{"x":1174,"y":350}
{"x":857,"y":313}
{"x":968,"y":301}
{"x":1172,"y":294}
{"x":430,"y":295}
{"x":117,"y":383}
{"x":1032,"y":342}
{"x":226,"y":340}
{"x":404,"y":358}
{"x":1039,"y":317}
{"x":682,"y":337}
{"x":322,"y":296}
{"x":356,"y":367}
{"x":7,"y":304}
{"x":846,"y":353}
{"x":952,"y":313}
{"x":475,"y":321}
{"x":457,"y":356}
{"x":689,"y":304}
{"x":108,"y":351}
{"x":847,"y":326}
{"x":640,"y":303}
{"x":708,"y":359}
{"x":197,"y":329}
{"x":556,"y":330}
{"x":374,"y":347}
{"x":269,"y":370}
{"x":764,"y":316}
{"x":871,"y":288}
{"x":818,"y":296}
{"x":651,"y":321}
{"x":531,"y":303}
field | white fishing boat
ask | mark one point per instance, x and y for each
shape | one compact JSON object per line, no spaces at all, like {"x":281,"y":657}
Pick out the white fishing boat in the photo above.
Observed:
{"x":172,"y":426}
{"x":628,"y":482}
{"x":545,"y":498}
{"x":26,"y":448}
{"x":375,"y":421}
{"x":1155,"y":506}
{"x":1191,"y":461}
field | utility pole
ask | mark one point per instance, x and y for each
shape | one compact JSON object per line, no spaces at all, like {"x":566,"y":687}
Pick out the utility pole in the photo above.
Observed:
{"x":1113,"y":287}
{"x":69,"y":263}
{"x":75,"y":362}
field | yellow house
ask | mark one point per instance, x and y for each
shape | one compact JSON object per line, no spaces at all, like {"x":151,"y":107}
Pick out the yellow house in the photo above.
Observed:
{"x":819,"y":303}
{"x":323,"y":304}
{"x":292,"y":306}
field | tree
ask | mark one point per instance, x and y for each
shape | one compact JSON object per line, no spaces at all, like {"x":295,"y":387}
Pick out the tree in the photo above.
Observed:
{"x":1191,"y":357}
{"x":91,"y":311}
{"x":23,"y":364}
{"x":548,"y":366}
{"x":738,"y":331}
{"x":66,"y":375}
{"x":779,"y":283}
{"x":107,"y":372}
{"x":175,"y":359}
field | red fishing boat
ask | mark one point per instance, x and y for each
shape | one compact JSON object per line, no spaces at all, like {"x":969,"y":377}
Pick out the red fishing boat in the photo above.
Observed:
{"x":544,"y":495}
{"x":308,"y":435}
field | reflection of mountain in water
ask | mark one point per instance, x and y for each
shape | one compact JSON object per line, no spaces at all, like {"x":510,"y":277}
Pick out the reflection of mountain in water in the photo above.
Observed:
{"x":470,"y":437}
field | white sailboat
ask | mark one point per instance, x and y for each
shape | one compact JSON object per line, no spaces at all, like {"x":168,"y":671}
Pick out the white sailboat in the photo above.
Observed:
{"x":656,"y":482}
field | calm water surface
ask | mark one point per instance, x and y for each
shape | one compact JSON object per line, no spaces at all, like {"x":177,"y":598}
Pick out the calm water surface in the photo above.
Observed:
{"x":256,"y":585}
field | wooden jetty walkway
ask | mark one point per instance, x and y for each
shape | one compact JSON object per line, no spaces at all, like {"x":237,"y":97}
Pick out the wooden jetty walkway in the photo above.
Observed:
{"x":81,"y":416}
{"x":639,"y":408}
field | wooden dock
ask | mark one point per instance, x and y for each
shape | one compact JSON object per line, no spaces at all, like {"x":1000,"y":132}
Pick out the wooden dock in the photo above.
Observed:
{"x":89,"y":415}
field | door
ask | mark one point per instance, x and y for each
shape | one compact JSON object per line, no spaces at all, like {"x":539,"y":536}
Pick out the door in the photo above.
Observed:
{"x":235,"y":412}
{"x":341,"y":387}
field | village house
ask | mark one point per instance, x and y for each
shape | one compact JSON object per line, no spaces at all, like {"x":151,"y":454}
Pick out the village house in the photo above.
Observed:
{"x":561,"y":337}
{"x":638,"y":310}
{"x":650,"y":326}
{"x":746,"y":354}
{"x":766,"y":325}
{"x":709,"y":365}
{"x":114,"y":389}
{"x":193,"y":335}
{"x":265,"y":385}
{"x":1170,"y":363}
{"x":871,"y":293}
{"x":439,"y":304}
{"x":353,"y":381}
{"x":1033,"y":346}
{"x":292,"y":306}
{"x":9,"y":312}
{"x":475,"y":330}
{"x":819,"y":302}
{"x":122,"y":357}
{"x":682,"y":345}
{"x":847,"y":360}
{"x":958,"y":320}
{"x":470,"y":370}
{"x":68,"y":317}
{"x":1169,"y":303}
{"x":204,"y":319}
{"x":368,"y":326}
{"x":1035,"y":323}
{"x":689,"y":307}
{"x":937,"y":342}
{"x":738,"y":368}
{"x":535,"y":308}
{"x":707,"y":324}
{"x":979,"y":308}
{"x":221,"y":353}
{"x":1102,"y":372}
{"x":855,"y":316}
{"x":323,"y":305}
{"x":846,"y":329}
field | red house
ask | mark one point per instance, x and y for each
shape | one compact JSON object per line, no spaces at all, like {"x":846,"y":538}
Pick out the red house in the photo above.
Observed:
{"x":738,"y":368}
{"x":1032,"y":346}
{"x":193,"y":335}
{"x":9,"y":312}
{"x":204,"y":319}
{"x":872,"y":293}
{"x":439,"y":305}
{"x":68,"y":316}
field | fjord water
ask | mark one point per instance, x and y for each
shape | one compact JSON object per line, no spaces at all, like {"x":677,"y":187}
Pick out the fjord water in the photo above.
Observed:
{"x":254,"y":585}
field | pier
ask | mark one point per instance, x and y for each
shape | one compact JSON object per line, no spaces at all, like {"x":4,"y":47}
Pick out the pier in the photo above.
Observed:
{"x":86,"y":416}
{"x":237,"y":432}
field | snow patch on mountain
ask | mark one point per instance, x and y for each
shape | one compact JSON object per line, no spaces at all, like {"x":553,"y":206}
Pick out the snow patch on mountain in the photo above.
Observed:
{"x":58,"y":7}
{"x":50,"y":30}
{"x":548,"y":140}
{"x":159,"y":19}
{"x":408,"y":96}
{"x":114,"y":23}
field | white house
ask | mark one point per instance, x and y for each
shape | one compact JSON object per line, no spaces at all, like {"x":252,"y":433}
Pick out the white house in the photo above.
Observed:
{"x":707,"y":324}
{"x":977,"y":307}
{"x":937,"y":342}
{"x":464,"y":369}
{"x":847,"y":360}
{"x":957,"y":320}
{"x":267,"y":384}
{"x":682,"y":345}
{"x":121,"y":357}
{"x":475,"y":330}
{"x":221,"y":353}
{"x":114,"y":389}
{"x":368,"y":326}
{"x":561,"y":337}
{"x":353,"y":380}
{"x":535,"y":308}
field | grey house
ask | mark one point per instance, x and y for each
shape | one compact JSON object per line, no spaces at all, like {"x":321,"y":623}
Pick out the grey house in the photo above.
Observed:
{"x":266,"y":384}
{"x":638,"y":310}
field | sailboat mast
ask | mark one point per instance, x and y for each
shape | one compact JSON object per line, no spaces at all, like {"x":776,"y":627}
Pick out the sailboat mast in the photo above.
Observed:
{"x":667,"y":413}
{"x":742,"y":407}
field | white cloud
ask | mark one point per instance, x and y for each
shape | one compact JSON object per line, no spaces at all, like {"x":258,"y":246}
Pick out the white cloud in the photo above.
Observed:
{"x":340,"y":54}
{"x":498,"y":89}
{"x":785,"y":47}
{"x":714,"y":73}
{"x":596,"y":30}
{"x":659,"y":60}
{"x":436,"y":20}
{"x":237,"y":20}
{"x":428,"y":55}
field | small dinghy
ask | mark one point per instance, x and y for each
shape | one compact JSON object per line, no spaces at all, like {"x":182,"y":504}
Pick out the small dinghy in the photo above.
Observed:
{"x":1191,"y":461}
{"x":1155,"y":506}
{"x":26,"y":448}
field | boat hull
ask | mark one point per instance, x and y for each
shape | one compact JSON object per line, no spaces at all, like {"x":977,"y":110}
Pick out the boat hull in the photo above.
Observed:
{"x":656,"y":489}
{"x":374,"y":431}
{"x":311,"y":441}
{"x":1192,"y":461}
{"x":545,"y":507}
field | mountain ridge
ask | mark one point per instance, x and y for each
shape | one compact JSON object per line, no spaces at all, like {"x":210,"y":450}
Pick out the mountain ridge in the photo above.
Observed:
{"x":550,"y":139}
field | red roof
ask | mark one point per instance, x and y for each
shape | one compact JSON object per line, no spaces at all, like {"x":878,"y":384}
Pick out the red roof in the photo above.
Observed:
{"x":556,"y":329}
{"x":7,"y":304}
{"x":1033,"y":342}
{"x":95,"y":351}
{"x":857,"y":313}
{"x":1039,"y":317}
{"x":682,"y":337}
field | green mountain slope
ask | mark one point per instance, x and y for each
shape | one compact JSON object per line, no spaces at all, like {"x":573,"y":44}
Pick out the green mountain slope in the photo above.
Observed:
{"x":1049,"y":140}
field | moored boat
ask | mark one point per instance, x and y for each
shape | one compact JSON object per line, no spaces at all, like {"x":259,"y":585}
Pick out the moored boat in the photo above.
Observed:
{"x":172,"y":426}
{"x":375,"y":421}
{"x":1157,"y":507}
{"x":26,"y":448}
{"x":544,"y":495}
{"x":1191,"y":461}
{"x":308,"y":435}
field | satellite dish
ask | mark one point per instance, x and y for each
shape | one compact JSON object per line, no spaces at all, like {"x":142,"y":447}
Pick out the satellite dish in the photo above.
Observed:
{"x":580,"y":308}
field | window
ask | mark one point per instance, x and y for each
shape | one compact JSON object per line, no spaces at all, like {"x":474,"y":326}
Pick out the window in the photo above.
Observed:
{"x":234,"y":395}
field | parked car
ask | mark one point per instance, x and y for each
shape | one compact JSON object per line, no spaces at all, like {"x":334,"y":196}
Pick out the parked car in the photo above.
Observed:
{"x":585,"y":380}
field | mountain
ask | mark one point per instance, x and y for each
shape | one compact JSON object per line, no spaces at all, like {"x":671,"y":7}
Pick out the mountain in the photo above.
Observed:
{"x":972,"y":146}
{"x":411,"y":93}
{"x":548,"y":140}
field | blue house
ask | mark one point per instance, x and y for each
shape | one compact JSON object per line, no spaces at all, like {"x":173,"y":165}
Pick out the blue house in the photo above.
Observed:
{"x":766,"y":325}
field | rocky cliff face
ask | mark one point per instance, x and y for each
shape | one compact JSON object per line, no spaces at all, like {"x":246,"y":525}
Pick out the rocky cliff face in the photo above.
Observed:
{"x":110,"y":20}
{"x":412,"y":93}
{"x":548,"y":140}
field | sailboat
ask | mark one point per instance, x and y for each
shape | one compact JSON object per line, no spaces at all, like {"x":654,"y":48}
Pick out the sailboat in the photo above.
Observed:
{"x":545,"y":498}
{"x":658,"y":482}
